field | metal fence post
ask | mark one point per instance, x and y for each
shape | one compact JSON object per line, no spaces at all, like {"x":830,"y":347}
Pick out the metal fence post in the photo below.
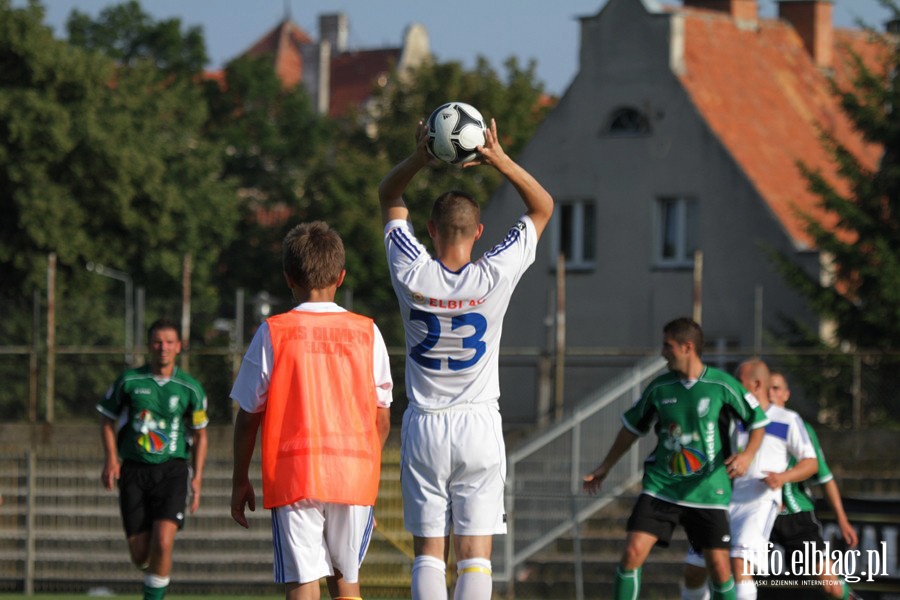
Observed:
{"x":573,"y":492}
{"x":856,"y":390}
{"x":31,"y":487}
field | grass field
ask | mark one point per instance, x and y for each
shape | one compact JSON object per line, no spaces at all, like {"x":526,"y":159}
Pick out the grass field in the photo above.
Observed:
{"x":168,"y":597}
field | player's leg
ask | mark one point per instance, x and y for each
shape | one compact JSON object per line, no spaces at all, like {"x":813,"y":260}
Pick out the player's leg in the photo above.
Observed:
{"x":301,"y":556}
{"x":751,"y":526}
{"x":722,"y":584}
{"x":159,"y":563}
{"x":135,"y":518}
{"x":348,"y":531}
{"x":166,"y":502}
{"x":429,"y":570}
{"x":708,"y":529}
{"x":339,"y":589}
{"x":302,"y":591}
{"x":476,"y":492}
{"x":473,"y":566}
{"x":652,"y":521}
{"x":794,"y":530}
{"x":695,"y":585}
{"x":424,"y":469}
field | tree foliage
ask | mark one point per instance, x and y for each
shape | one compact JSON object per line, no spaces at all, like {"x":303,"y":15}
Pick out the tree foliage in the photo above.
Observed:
{"x":116,"y":148}
{"x":270,"y":135}
{"x":863,"y":247}
{"x":107,"y":163}
{"x":861,"y":296}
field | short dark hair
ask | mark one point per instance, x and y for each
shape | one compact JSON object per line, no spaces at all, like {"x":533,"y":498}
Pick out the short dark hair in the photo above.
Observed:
{"x":313,"y":255}
{"x":456,"y":214}
{"x":163,"y":323}
{"x":683,"y":330}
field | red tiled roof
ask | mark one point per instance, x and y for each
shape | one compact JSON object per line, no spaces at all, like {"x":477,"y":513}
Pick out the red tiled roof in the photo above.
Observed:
{"x":763,"y":97}
{"x":283,"y":42}
{"x":353,"y":75}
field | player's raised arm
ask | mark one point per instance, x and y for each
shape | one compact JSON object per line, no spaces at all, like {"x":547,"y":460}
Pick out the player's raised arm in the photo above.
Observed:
{"x":390,"y":191}
{"x":538,"y":201}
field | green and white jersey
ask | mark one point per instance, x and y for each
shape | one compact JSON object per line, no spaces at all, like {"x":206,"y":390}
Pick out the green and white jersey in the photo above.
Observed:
{"x":691,"y":418}
{"x":797,"y":497}
{"x":153,"y":413}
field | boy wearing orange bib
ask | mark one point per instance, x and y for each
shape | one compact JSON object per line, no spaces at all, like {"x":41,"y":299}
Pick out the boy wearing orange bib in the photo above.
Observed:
{"x":317,"y":380}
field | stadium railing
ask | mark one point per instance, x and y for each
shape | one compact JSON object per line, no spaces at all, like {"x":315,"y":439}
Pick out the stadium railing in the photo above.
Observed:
{"x":544,"y":474}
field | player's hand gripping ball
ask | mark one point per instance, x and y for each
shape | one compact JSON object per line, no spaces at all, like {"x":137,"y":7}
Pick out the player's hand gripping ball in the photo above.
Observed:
{"x":455,"y":130}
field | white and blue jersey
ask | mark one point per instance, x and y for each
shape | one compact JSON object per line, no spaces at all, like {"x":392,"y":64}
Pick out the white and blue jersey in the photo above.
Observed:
{"x":785,"y":438}
{"x":453,"y":319}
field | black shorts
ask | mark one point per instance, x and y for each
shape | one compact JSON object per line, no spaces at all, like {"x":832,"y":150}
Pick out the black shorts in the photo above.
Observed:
{"x":790,"y":531}
{"x":149,"y":493}
{"x":705,"y":527}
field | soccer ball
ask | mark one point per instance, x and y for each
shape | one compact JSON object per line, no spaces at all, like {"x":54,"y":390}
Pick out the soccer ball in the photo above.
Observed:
{"x":455,"y":129}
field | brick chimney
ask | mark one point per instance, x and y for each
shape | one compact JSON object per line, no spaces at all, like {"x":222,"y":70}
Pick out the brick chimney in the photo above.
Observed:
{"x":740,"y":10}
{"x":811,"y":19}
{"x":333,"y":27}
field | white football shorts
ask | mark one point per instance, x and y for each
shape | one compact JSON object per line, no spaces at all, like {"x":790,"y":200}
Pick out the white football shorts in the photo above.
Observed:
{"x":312,"y":539}
{"x":453,"y":471}
{"x":751,"y":525}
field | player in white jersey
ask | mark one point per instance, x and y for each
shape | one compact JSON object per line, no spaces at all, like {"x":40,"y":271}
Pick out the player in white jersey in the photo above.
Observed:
{"x":756,"y":495}
{"x":453,"y":458}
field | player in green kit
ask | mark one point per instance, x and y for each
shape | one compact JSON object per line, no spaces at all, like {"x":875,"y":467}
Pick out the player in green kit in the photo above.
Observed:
{"x":158,"y":407}
{"x":687,"y":477}
{"x":797,"y":524}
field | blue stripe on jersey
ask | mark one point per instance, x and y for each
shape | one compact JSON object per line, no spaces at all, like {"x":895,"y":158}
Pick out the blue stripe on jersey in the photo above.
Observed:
{"x":276,"y":545}
{"x":403,"y":243}
{"x":511,"y":238}
{"x":367,"y":535}
{"x":777,"y":429}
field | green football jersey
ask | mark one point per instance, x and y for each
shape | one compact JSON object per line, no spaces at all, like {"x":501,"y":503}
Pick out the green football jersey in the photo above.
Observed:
{"x":797,"y":497}
{"x":691,"y":418}
{"x":153,"y":413}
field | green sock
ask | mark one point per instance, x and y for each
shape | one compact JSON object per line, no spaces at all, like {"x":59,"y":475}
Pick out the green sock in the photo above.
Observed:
{"x":628,"y":584}
{"x":155,"y":587}
{"x":723,"y":591}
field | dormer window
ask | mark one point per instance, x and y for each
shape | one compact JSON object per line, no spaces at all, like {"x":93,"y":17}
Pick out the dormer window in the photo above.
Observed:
{"x":627,"y":121}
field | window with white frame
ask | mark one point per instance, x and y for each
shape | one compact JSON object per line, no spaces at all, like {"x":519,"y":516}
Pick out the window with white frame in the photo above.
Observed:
{"x":676,"y":231}
{"x":576,"y":233}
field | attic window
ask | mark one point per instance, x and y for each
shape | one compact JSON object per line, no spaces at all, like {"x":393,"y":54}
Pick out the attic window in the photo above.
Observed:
{"x":627,"y":121}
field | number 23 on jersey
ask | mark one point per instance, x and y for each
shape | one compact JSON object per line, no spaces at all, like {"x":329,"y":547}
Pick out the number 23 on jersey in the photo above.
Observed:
{"x":439,"y":334}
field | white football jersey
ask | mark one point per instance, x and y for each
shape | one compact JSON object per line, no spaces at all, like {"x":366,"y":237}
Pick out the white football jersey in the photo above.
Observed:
{"x":453,"y":320}
{"x":785,"y":437}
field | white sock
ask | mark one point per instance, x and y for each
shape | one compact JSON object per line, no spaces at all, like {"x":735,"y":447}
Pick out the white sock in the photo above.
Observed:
{"x":155,"y":581}
{"x":429,"y":578}
{"x":745,"y":590}
{"x":474,"y":579}
{"x":700,"y":593}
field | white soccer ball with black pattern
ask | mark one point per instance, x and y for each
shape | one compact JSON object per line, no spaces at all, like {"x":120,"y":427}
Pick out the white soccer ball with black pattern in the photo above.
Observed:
{"x":455,"y":130}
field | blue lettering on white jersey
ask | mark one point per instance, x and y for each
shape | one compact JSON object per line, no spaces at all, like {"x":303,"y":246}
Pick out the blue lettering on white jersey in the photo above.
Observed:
{"x":453,"y":320}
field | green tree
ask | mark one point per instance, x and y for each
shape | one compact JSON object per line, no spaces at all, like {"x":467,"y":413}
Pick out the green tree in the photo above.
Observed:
{"x":271,"y":136}
{"x":101,"y":162}
{"x":128,"y":35}
{"x":862,"y":247}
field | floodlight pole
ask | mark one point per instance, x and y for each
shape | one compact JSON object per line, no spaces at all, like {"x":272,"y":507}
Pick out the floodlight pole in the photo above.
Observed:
{"x":125,"y":278}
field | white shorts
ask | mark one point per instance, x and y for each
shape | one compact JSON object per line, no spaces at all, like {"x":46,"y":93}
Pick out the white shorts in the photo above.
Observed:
{"x":453,"y":471}
{"x":695,"y":558}
{"x":751,"y":525}
{"x":313,"y":539}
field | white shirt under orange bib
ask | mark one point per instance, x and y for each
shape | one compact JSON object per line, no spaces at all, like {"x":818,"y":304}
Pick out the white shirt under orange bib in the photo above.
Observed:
{"x":319,"y":437}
